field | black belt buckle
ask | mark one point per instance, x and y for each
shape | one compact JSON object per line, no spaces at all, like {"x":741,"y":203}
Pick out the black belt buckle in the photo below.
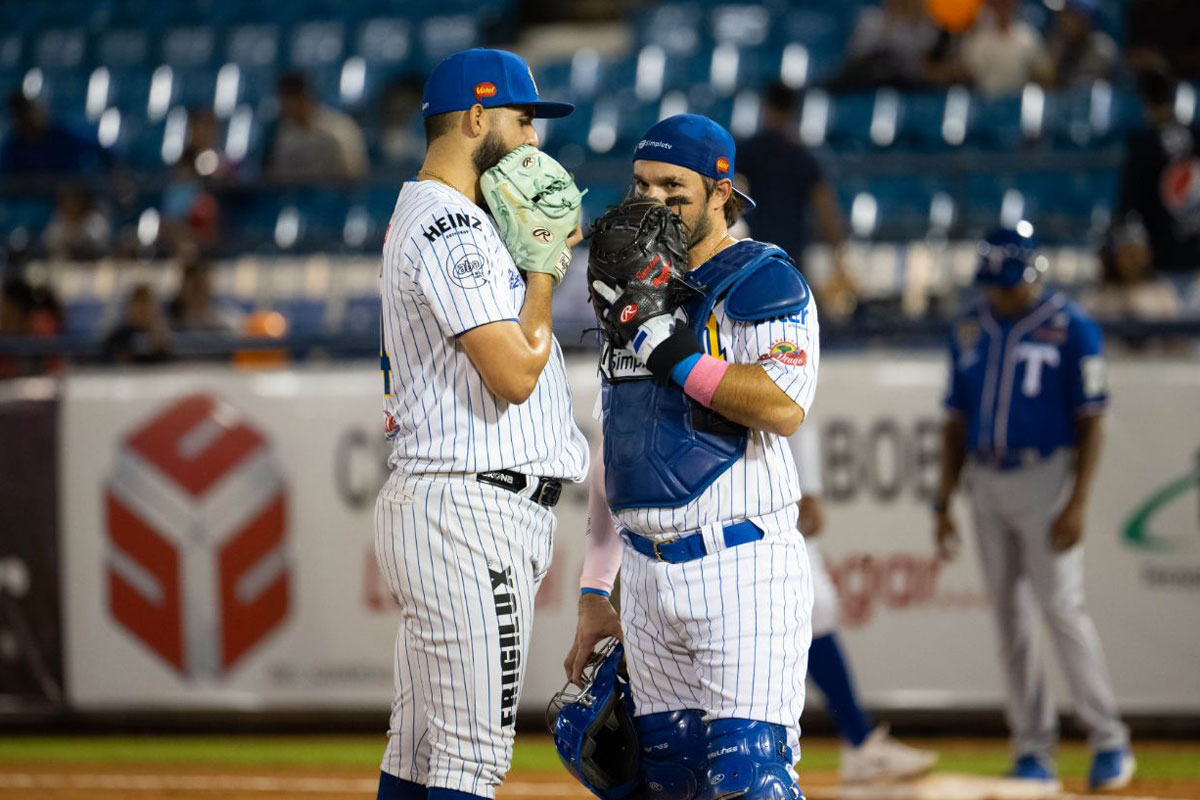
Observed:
{"x":548,"y":492}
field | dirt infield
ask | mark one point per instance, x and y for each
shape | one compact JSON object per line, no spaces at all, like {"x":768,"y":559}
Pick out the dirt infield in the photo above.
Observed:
{"x":58,"y":781}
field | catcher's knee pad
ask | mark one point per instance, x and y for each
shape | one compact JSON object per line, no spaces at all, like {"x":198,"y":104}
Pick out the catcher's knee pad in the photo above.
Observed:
{"x":673,"y":754}
{"x":749,"y":760}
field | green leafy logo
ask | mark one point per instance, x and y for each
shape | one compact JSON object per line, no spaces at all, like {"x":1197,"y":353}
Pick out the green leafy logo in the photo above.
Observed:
{"x":1139,"y":531}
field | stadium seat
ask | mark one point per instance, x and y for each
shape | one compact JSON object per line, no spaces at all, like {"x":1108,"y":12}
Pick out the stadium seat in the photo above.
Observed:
{"x":385,"y":41}
{"x":441,"y":36}
{"x":190,"y":46}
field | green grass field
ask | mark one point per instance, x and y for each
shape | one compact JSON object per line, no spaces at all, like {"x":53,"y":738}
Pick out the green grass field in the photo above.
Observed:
{"x":1164,"y":760}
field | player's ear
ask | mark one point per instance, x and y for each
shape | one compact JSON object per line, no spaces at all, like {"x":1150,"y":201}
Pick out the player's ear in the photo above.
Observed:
{"x":475,"y":121}
{"x":720,"y":195}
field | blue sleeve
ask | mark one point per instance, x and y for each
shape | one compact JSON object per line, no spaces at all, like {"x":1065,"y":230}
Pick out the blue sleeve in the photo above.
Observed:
{"x":1087,"y":373}
{"x":956,"y":396}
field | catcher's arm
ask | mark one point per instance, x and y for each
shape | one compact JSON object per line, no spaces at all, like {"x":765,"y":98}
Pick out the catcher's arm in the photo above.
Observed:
{"x":747,"y":395}
{"x":601,"y":562}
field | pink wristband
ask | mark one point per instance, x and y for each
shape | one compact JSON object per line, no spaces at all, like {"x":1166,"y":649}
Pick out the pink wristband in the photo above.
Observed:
{"x":703,"y":379}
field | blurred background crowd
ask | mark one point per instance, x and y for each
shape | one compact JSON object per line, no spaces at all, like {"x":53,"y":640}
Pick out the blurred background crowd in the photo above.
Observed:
{"x":176,"y":170}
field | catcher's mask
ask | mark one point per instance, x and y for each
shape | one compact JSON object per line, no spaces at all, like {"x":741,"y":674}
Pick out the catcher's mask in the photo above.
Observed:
{"x":593,"y":726}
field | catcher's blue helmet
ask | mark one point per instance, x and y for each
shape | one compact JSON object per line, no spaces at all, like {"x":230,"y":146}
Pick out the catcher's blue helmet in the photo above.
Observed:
{"x":1008,"y":257}
{"x":593,"y":727}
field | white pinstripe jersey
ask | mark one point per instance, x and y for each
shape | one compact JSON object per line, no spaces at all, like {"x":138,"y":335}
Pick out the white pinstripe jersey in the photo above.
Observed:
{"x":446,"y":271}
{"x":762,"y":486}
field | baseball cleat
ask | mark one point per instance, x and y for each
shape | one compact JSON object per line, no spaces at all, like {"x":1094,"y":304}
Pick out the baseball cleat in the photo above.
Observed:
{"x":1111,"y":769}
{"x":882,"y":758}
{"x":1033,"y":768}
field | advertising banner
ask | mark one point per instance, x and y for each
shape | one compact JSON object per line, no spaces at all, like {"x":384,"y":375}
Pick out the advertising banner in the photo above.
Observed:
{"x":218,"y":541}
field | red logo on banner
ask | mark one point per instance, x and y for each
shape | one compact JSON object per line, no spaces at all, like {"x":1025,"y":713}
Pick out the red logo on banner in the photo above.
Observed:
{"x":197,"y":521}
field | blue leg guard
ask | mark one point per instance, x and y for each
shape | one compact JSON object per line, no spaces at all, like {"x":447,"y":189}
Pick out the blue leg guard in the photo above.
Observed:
{"x":749,"y":760}
{"x":673,"y":763}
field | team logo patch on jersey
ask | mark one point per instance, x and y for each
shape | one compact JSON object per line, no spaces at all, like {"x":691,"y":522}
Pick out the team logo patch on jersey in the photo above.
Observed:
{"x":468,"y":270}
{"x":787,"y":352}
{"x":485,"y":90}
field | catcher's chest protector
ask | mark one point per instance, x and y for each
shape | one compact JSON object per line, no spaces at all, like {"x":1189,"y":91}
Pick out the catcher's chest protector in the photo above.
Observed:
{"x":661,"y":448}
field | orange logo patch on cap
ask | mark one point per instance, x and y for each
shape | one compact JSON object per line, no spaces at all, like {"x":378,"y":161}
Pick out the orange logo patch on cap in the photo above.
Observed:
{"x":722,"y":165}
{"x":485,"y":89}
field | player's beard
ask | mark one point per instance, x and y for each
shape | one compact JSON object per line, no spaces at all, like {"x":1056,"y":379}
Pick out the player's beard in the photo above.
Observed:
{"x":700,"y":231}
{"x":488,"y":153}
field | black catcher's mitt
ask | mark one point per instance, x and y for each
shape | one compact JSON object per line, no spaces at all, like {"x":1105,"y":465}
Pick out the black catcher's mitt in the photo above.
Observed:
{"x":636,"y":263}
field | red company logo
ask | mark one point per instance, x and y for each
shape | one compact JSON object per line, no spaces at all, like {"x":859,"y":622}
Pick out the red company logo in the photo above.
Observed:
{"x":722,"y":165}
{"x":485,"y":89}
{"x":628,"y":312}
{"x":196,"y":517}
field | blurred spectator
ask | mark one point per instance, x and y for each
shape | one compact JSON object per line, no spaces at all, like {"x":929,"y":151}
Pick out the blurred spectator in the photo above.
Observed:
{"x":39,"y":146}
{"x":788,"y":187}
{"x":1079,"y":54}
{"x":403,"y":134}
{"x":78,"y":231}
{"x":890,"y":46}
{"x":141,"y":337}
{"x":203,"y":147}
{"x":1157,"y":220}
{"x":1002,"y":52}
{"x":190,"y":213}
{"x":28,"y":311}
{"x":193,"y":310}
{"x":311,"y":142}
{"x":1128,"y":287}
{"x":1164,"y":35}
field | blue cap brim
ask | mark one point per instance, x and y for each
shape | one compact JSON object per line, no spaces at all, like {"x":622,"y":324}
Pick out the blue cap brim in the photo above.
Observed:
{"x":546,"y":110}
{"x":745,"y":197}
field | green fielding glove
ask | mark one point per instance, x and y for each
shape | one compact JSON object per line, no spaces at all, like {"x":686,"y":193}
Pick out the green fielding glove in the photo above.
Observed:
{"x":536,"y":205}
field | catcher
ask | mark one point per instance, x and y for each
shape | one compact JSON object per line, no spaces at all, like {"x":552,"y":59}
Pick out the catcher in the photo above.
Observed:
{"x":471,"y":370}
{"x":709,"y":363}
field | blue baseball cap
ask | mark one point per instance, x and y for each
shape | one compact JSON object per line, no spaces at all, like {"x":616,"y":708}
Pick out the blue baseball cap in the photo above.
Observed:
{"x":694,"y":142}
{"x":491,"y":78}
{"x":1008,"y":257}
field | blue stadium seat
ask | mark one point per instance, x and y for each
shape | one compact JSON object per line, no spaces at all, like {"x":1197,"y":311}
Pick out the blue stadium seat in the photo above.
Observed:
{"x":60,"y":49}
{"x":385,"y":41}
{"x":122,"y":48}
{"x":995,"y":123}
{"x":189,"y":46}
{"x":362,"y":314}
{"x":921,"y":122}
{"x":253,"y":46}
{"x":84,"y":316}
{"x":850,"y":121}
{"x":440,"y":36}
{"x":304,"y":315}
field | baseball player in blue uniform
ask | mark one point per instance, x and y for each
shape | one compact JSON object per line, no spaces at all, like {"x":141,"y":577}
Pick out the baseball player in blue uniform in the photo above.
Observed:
{"x":698,"y":477}
{"x":1025,"y":405}
{"x":478,"y":411}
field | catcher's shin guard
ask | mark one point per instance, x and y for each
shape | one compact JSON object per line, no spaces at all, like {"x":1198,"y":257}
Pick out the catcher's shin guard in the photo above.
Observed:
{"x":749,"y":760}
{"x":674,"y":763}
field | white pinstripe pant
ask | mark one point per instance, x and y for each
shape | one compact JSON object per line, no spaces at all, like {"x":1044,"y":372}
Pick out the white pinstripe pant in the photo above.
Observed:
{"x":727,"y":634}
{"x":465,"y":560}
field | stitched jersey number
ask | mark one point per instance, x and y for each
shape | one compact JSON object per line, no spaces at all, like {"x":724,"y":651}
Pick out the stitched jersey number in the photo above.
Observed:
{"x":385,"y":364}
